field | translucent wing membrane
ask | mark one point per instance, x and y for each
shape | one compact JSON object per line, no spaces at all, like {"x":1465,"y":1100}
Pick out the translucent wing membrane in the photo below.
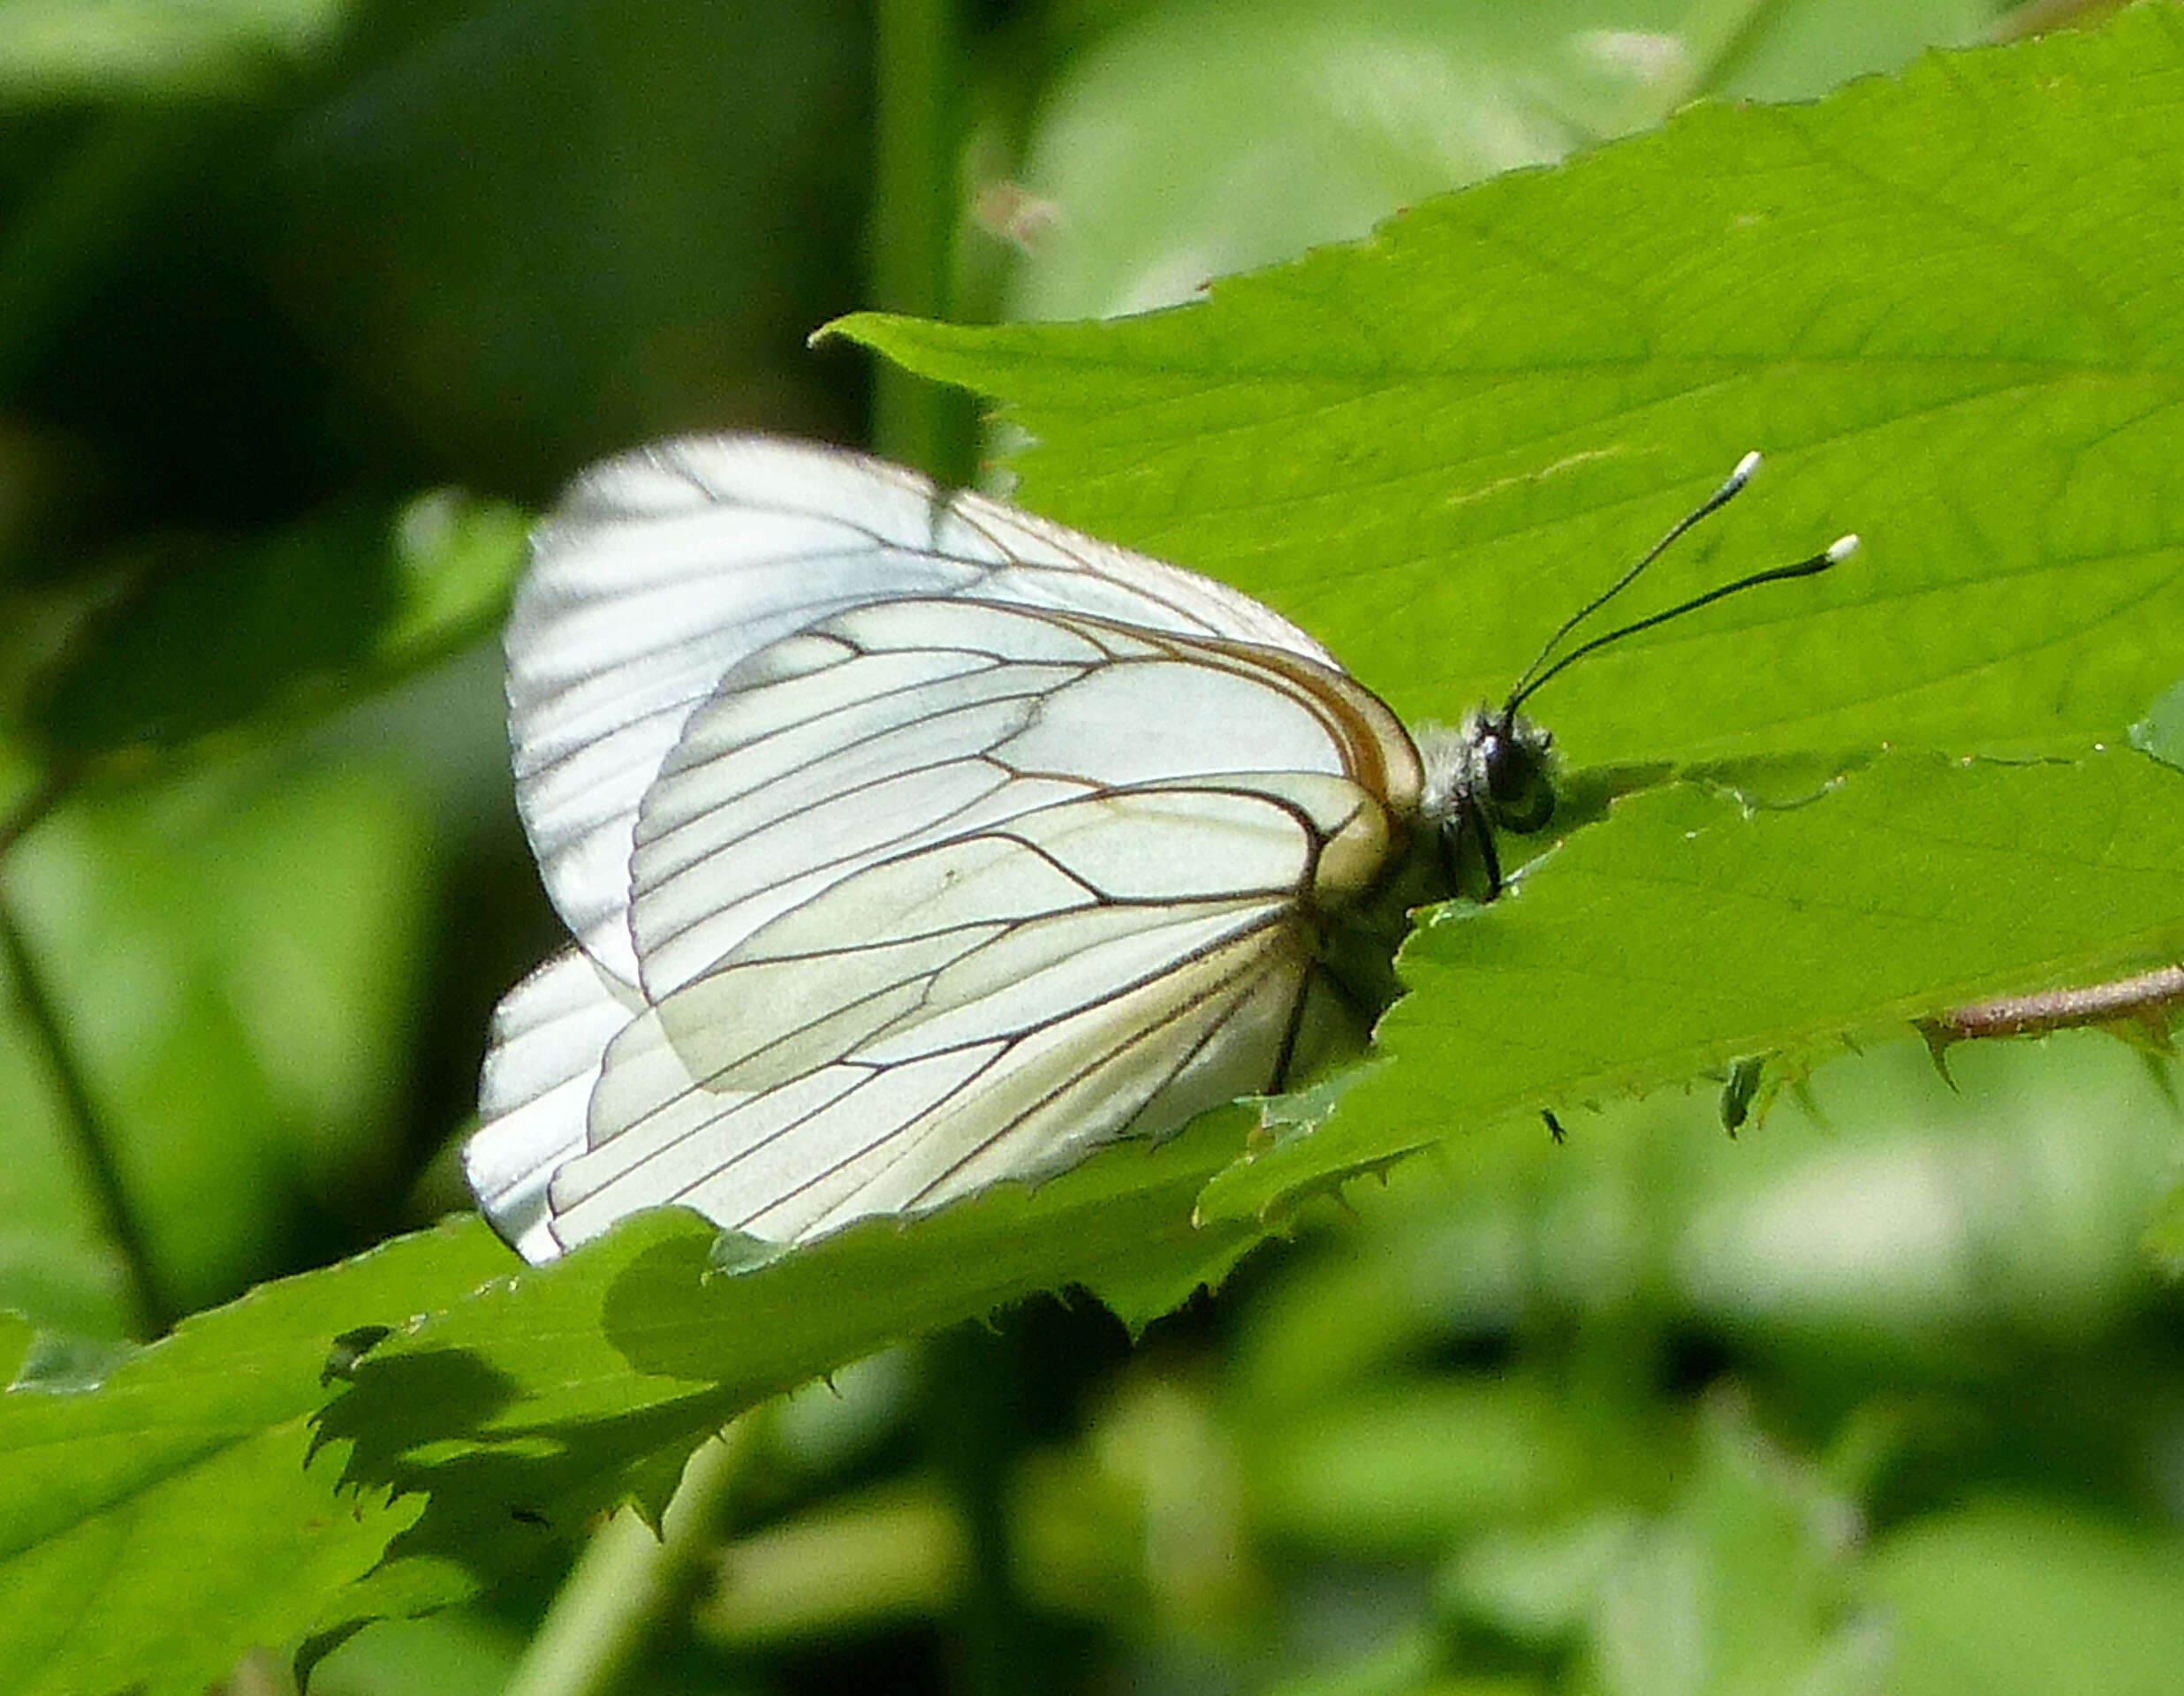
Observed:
{"x":664,"y":567}
{"x":549,"y":1041}
{"x":912,"y":844}
{"x":785,"y":1093}
{"x":905,"y":724}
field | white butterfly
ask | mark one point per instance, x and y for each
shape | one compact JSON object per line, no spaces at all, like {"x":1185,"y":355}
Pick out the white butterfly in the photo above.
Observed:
{"x":912,"y":843}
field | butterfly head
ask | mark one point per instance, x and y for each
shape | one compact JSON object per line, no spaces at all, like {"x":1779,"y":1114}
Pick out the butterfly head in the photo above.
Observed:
{"x":1512,"y":777}
{"x":1496,"y":769}
{"x":1494,"y":773}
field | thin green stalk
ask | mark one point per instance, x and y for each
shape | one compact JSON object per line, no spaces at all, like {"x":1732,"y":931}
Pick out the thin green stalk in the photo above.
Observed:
{"x":973,"y":1421}
{"x":149,"y":1313}
{"x":918,"y":145}
{"x":628,"y":1588}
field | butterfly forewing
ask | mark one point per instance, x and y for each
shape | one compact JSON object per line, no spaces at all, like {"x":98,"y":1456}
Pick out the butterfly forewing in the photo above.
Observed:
{"x":664,"y":567}
{"x":954,"y":844}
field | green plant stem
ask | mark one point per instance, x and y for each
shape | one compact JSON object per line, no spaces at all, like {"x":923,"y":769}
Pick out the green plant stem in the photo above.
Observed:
{"x":918,"y":145}
{"x":629,"y":1585}
{"x":973,"y":1421}
{"x":148,"y":1312}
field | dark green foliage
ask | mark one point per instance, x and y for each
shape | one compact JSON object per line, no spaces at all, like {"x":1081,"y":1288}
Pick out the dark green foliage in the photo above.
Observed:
{"x":1880,"y":1396}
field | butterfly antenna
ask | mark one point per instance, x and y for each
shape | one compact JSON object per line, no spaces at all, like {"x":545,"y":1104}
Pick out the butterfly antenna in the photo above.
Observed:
{"x":1532,"y":677}
{"x":1837,"y":551}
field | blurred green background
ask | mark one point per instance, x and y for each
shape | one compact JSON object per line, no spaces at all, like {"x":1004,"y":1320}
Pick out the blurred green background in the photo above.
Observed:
{"x":304,"y":304}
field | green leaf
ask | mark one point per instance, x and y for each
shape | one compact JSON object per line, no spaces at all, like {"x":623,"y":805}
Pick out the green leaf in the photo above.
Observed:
{"x":210,"y":632}
{"x":1405,"y":1466}
{"x":1746,"y":1584}
{"x":2163,"y":1241}
{"x":71,"y":49}
{"x":2020,"y":1598}
{"x":1309,"y":122}
{"x":454,"y":560}
{"x":216,"y":632}
{"x":1945,"y":303}
{"x":561,"y":1390}
{"x":1687,"y":930}
{"x":153,"y":1529}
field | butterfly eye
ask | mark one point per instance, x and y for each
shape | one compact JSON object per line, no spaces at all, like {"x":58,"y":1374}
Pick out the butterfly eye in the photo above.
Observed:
{"x":1515,"y":757}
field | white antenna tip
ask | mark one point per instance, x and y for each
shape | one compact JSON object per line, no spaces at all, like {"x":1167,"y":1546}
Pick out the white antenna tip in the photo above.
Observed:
{"x":1746,"y":466}
{"x":1841,"y":549}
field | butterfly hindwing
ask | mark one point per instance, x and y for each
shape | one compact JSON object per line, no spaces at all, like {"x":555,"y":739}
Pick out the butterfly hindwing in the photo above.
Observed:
{"x":999,"y":1025}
